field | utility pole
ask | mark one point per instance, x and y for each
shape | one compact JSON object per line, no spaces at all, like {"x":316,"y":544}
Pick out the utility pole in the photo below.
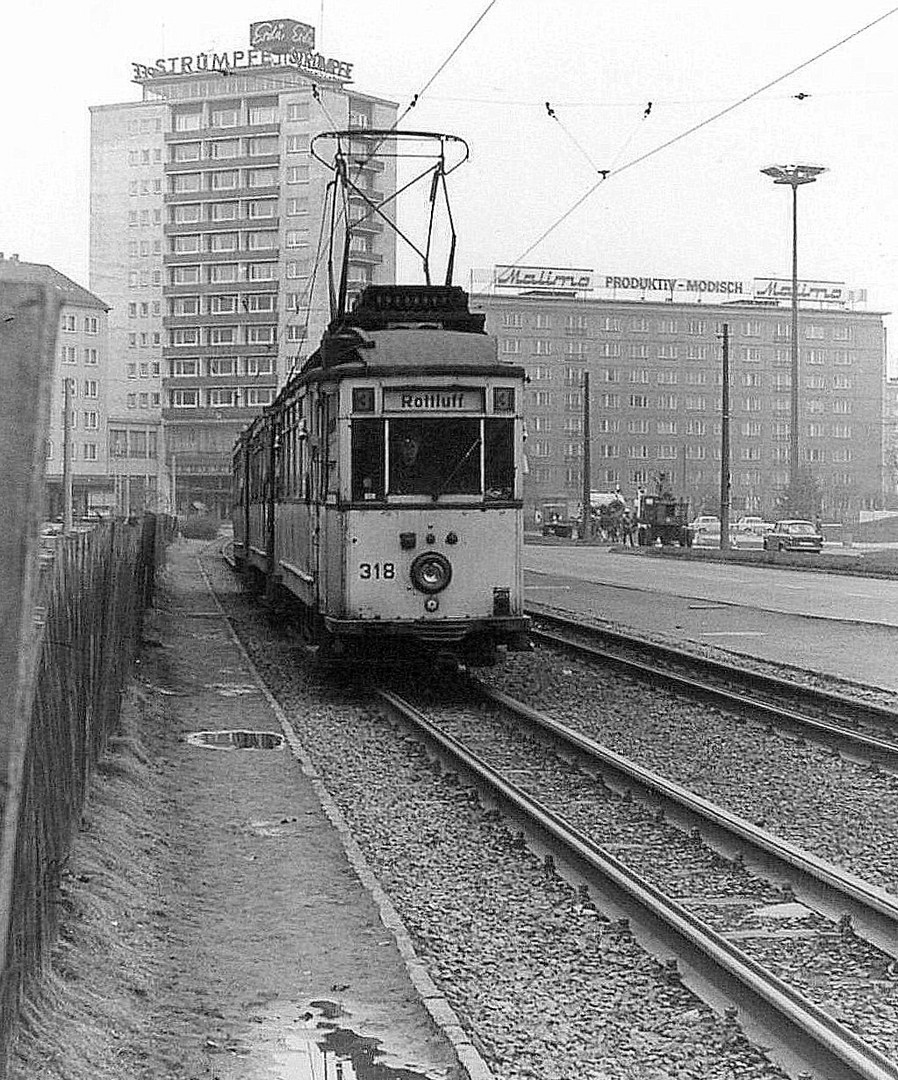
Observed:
{"x":586,"y":530}
{"x":725,"y":443}
{"x":67,"y":456}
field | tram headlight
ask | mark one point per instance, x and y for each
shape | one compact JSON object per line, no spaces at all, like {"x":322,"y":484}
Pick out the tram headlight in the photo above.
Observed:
{"x":431,"y":572}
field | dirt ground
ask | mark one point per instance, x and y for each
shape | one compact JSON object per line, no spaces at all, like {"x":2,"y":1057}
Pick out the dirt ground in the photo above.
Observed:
{"x":212,"y":925}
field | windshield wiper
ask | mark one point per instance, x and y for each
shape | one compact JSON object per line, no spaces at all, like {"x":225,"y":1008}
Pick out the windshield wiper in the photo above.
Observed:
{"x":442,"y":488}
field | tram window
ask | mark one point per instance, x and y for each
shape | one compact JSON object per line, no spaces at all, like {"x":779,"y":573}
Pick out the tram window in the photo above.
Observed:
{"x":498,"y":466}
{"x":435,"y":457}
{"x":367,"y":460}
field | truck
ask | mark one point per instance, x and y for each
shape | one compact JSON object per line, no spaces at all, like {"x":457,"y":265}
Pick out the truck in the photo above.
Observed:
{"x":663,"y":517}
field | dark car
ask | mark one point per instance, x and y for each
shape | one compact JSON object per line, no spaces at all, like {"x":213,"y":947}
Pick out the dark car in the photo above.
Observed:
{"x":793,"y":536}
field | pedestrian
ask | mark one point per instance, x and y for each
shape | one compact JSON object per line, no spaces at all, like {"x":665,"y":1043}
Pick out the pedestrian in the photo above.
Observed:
{"x":627,"y":528}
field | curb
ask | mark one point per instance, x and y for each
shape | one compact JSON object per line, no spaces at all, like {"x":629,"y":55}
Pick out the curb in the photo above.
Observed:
{"x":437,"y":1005}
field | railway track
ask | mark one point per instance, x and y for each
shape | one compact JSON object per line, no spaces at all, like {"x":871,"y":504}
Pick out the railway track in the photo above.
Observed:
{"x":858,"y":730}
{"x":692,"y":877}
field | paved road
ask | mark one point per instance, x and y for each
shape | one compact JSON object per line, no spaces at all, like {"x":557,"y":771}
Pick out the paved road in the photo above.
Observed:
{"x":835,"y":624}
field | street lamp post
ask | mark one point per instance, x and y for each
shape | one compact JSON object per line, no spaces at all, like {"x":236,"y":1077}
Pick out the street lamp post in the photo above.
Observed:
{"x":794,"y":176}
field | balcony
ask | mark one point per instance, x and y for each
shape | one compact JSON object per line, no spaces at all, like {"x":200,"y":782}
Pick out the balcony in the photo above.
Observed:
{"x":242,"y":161}
{"x":205,"y":133}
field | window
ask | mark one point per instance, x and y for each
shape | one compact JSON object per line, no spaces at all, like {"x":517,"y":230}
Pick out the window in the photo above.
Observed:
{"x":90,"y":356}
{"x":265,"y":113}
{"x":185,"y":275}
{"x":667,"y":453}
{"x":296,"y":332}
{"x":222,"y":335}
{"x":637,"y":427}
{"x":188,"y":151}
{"x":224,"y":180}
{"x":91,"y":421}
{"x":89,"y":451}
{"x":261,"y":334}
{"x":297,"y":238}
{"x":841,"y":431}
{"x":638,"y":401}
{"x":696,"y":402}
{"x":220,"y":149}
{"x":262,"y":271}
{"x":182,"y":245}
{"x":696,"y":326}
{"x":750,"y":378}
{"x":841,"y":332}
{"x":610,"y":323}
{"x":260,"y":302}
{"x":223,"y":365}
{"x":224,"y":211}
{"x":512,"y":319}
{"x":189,"y":335}
{"x":667,"y":326}
{"x":225,"y":397}
{"x":179,"y":368}
{"x":609,"y":349}
{"x":750,"y":354}
{"x":696,"y":352}
{"x":542,"y":321}
{"x":132,"y":401}
{"x":69,"y":323}
{"x":695,"y":427}
{"x":69,"y":354}
{"x":667,"y":352}
{"x":263,"y":240}
{"x":297,"y":268}
{"x":297,"y":144}
{"x":298,"y":110}
{"x":816,"y":356}
{"x":223,"y":241}
{"x":297,"y":205}
{"x":222,"y":272}
{"x":815,"y":382}
{"x":751,"y":328}
{"x":259,"y":395}
{"x":637,"y":450}
{"x":511,"y":346}
{"x":841,"y":406}
{"x":185,"y":305}
{"x":261,"y":177}
{"x":542,"y":347}
{"x":259,"y":365}
{"x":750,"y":453}
{"x":610,"y":375}
{"x":187,"y":120}
{"x":223,"y":116}
{"x":186,"y":214}
{"x":841,"y":382}
{"x":91,"y":388}
{"x":842,"y":358}
{"x":180,"y":399}
{"x":638,"y":375}
{"x":813,"y":332}
{"x":297,"y":174}
{"x":666,"y":378}
{"x":222,"y":305}
{"x":181,"y":182}
{"x":261,"y":208}
{"x":668,"y":401}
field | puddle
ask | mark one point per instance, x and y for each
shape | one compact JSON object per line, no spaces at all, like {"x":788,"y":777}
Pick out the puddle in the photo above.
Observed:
{"x":314,"y":1044}
{"x":232,"y":689}
{"x":236,"y":740}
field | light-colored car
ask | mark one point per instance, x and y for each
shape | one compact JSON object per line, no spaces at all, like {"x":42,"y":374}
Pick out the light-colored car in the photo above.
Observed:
{"x":705,"y":523}
{"x":754,"y":524}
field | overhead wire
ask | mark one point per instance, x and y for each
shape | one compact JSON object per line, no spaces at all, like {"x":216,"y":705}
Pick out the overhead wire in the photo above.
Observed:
{"x":701,"y":124}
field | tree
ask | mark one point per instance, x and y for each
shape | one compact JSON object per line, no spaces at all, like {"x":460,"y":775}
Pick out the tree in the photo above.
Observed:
{"x":800,"y":499}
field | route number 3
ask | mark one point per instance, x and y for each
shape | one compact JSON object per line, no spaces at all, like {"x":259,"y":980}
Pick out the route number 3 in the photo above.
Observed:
{"x":377,"y":571}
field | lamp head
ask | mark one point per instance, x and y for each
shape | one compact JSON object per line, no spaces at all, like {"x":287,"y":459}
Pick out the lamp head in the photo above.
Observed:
{"x":794,"y":175}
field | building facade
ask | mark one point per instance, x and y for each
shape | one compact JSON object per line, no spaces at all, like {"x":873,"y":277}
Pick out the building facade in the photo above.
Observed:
{"x":207,"y":235}
{"x":655,"y":380}
{"x":82,"y":361}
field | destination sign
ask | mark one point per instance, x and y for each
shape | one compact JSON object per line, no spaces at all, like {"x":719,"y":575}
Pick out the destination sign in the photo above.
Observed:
{"x":452,"y":399}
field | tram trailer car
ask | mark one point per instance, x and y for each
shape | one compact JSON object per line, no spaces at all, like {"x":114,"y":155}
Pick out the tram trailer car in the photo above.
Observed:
{"x":383,"y":487}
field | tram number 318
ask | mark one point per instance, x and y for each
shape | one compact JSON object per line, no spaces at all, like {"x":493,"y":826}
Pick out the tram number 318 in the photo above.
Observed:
{"x":377,"y":571}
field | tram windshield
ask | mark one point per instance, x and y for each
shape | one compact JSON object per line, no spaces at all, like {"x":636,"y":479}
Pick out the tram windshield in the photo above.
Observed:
{"x":433,"y":457}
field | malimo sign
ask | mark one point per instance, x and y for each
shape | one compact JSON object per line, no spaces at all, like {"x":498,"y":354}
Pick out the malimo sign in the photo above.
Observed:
{"x":541,"y":277}
{"x":281,"y":36}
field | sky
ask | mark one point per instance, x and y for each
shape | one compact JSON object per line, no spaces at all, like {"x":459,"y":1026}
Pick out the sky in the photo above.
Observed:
{"x":698,"y":208}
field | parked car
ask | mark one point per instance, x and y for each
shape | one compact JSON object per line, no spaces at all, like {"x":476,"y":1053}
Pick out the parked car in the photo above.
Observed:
{"x":793,"y":535}
{"x":705,"y":523}
{"x":752,"y":524}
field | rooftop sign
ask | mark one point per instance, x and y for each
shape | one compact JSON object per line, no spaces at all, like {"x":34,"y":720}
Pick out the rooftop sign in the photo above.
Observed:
{"x":542,"y":277}
{"x":274,"y":43}
{"x":817,"y":292}
{"x":282,"y":36}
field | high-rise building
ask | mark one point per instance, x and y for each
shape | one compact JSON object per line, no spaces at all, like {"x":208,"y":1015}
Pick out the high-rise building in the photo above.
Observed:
{"x":652,"y":348}
{"x":82,"y":362}
{"x":208,"y":238}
